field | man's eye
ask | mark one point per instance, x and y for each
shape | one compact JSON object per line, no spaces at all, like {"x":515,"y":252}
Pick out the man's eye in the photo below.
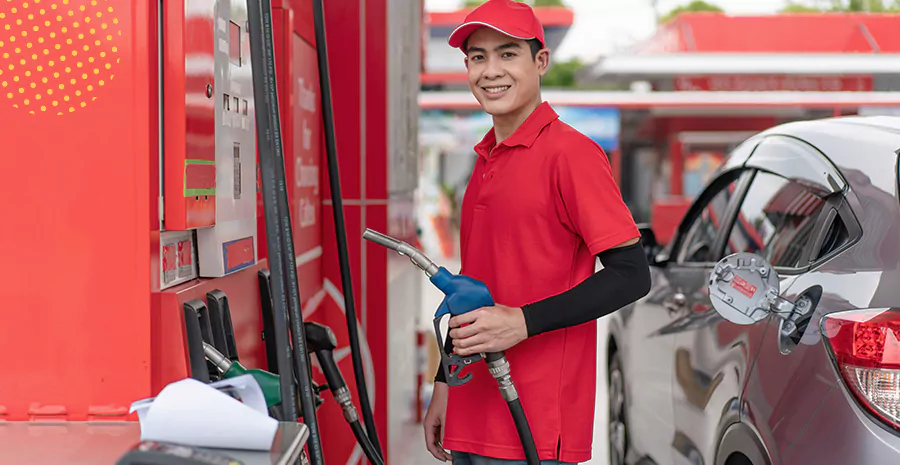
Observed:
{"x":476,"y":57}
{"x":508,"y":54}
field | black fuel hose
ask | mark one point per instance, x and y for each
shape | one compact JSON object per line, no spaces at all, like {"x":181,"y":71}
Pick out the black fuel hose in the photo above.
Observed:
{"x":277,"y":212}
{"x":323,"y":342}
{"x":518,"y":414}
{"x":339,"y":227}
{"x":283,"y":355}
{"x":342,"y":396}
{"x":363,"y":440}
{"x":499,"y":368}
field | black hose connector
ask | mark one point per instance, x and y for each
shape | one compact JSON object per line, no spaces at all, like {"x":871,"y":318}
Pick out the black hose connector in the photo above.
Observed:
{"x":499,"y":368}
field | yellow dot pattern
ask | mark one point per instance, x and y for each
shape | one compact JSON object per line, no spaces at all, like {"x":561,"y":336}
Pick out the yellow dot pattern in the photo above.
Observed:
{"x":83,"y":34}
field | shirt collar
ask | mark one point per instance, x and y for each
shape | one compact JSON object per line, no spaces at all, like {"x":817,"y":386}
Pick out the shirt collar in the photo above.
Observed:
{"x":525,"y":135}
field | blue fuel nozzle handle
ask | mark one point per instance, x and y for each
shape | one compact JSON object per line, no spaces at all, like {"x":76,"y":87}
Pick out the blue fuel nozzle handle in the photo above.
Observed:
{"x":463,"y":294}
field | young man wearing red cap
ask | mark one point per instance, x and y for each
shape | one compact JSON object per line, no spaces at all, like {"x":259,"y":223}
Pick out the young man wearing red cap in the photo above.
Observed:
{"x":541,"y":206}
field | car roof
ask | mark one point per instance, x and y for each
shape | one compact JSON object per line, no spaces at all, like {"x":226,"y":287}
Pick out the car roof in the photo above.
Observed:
{"x":845,"y":139}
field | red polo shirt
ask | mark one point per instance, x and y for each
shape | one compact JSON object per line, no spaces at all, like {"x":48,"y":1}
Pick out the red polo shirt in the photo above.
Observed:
{"x":538,"y":208}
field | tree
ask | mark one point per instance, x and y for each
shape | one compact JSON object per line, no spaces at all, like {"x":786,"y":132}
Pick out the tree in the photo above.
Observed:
{"x":845,"y":6}
{"x":474,"y":3}
{"x":696,"y":5}
{"x":875,"y":6}
{"x":792,"y":7}
{"x":562,"y":74}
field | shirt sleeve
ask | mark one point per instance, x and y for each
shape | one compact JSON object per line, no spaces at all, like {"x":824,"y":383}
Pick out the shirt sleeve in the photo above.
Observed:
{"x":589,"y":201}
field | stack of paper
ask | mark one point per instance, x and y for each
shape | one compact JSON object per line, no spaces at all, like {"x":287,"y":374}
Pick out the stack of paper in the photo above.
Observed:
{"x":192,"y":413}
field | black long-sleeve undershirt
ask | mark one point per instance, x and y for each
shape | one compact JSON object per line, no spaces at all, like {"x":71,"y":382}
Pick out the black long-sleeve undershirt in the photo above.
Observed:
{"x":625,"y":278}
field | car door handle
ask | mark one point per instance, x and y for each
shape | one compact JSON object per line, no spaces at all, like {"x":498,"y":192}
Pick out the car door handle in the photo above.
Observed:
{"x":676,"y":303}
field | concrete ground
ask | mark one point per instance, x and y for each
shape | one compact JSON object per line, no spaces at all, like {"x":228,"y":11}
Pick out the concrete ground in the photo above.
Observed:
{"x":415,"y":452}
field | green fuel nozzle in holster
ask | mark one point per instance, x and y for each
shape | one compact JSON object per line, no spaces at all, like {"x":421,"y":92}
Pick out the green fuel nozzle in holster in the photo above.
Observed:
{"x":268,"y":382}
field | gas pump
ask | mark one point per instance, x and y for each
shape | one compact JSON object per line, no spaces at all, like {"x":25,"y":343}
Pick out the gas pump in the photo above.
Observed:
{"x":161,"y":261}
{"x":208,"y":209}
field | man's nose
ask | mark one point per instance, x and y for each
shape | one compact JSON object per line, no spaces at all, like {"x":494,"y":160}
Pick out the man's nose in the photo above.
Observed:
{"x":494,"y":69}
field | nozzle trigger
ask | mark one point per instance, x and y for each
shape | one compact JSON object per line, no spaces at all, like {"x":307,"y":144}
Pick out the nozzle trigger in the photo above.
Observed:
{"x":451,"y":363}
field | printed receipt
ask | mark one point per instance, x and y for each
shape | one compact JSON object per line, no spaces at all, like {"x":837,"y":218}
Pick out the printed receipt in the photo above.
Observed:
{"x":192,"y":413}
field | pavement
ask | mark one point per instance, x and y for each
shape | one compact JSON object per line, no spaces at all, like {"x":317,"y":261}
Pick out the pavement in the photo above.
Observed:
{"x":415,"y":453}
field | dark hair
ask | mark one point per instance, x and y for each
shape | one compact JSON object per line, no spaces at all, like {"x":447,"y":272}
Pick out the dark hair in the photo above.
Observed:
{"x":534,"y":44}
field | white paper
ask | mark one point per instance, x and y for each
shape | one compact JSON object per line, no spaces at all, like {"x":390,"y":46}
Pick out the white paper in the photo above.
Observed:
{"x":192,"y":413}
{"x":248,"y":389}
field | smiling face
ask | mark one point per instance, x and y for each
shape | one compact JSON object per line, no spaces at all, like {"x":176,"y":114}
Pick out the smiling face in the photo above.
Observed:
{"x":503,"y":76}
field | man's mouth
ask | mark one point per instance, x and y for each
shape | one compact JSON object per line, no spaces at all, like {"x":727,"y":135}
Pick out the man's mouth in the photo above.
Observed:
{"x":496,"y":90}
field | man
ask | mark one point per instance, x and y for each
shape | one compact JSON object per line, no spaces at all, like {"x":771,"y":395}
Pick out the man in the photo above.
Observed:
{"x":541,"y":206}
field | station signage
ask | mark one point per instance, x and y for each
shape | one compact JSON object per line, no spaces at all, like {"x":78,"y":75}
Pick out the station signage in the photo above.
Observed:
{"x":774,"y":83}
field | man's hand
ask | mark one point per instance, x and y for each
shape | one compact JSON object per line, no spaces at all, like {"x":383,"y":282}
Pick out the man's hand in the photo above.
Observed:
{"x":490,"y":329}
{"x":434,"y":422}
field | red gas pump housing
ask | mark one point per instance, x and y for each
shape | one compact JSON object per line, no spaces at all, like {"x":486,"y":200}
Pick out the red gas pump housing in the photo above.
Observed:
{"x":89,"y":322}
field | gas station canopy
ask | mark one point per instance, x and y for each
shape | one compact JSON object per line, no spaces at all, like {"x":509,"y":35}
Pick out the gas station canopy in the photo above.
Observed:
{"x":709,"y":51}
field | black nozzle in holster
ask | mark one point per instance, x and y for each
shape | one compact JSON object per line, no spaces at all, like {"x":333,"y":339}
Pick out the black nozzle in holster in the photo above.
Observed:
{"x":321,"y":341}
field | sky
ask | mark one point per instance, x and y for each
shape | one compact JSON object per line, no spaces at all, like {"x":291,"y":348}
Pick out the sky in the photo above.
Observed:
{"x":602,"y":26}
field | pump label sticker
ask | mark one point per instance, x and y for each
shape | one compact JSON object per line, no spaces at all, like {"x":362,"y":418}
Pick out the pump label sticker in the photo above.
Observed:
{"x":185,"y":260}
{"x":238,"y":254}
{"x":742,"y":286}
{"x":169,"y":262}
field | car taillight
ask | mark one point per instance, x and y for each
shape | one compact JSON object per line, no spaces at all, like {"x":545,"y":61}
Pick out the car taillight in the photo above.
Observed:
{"x":865,"y":347}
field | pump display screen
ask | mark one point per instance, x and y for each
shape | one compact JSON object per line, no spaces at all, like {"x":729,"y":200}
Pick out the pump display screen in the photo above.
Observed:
{"x":234,"y":42}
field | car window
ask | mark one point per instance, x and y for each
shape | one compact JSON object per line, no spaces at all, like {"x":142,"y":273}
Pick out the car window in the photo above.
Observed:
{"x":836,"y":237}
{"x":776,"y":220}
{"x":698,"y":242}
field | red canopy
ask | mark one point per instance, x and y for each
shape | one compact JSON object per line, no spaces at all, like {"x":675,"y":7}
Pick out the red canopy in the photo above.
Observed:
{"x":782,"y":33}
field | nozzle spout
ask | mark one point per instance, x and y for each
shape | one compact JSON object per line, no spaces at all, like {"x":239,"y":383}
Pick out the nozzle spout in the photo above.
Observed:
{"x":417,"y":257}
{"x":382,"y":239}
{"x":219,"y":360}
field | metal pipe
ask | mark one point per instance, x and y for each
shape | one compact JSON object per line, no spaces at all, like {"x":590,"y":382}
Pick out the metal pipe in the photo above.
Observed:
{"x":415,"y":255}
{"x":220,"y":361}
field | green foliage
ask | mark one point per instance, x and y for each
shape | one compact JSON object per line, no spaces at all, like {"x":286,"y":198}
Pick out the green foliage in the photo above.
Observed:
{"x":696,"y":5}
{"x":845,"y":6}
{"x":562,"y":74}
{"x":875,"y":6}
{"x":792,"y":7}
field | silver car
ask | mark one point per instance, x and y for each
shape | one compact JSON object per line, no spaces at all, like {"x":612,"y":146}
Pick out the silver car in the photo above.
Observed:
{"x":815,"y":379}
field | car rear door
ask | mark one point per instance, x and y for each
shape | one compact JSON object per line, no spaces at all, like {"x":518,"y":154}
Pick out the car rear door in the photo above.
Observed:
{"x":802,"y":222}
{"x":775,"y":215}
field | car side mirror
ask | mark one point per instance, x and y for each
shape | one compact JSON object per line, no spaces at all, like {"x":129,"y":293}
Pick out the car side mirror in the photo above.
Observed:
{"x":648,"y":240}
{"x":745,"y":289}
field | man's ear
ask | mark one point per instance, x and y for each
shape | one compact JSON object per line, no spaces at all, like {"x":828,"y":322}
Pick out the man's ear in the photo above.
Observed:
{"x":543,"y":61}
{"x":466,"y":61}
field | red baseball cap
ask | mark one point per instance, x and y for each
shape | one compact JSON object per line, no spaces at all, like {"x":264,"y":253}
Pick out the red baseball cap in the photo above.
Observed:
{"x":515,"y":19}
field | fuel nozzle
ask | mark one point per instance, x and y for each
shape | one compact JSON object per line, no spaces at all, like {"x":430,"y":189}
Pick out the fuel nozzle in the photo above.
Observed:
{"x":415,"y":255}
{"x":268,"y":382}
{"x":321,"y":341}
